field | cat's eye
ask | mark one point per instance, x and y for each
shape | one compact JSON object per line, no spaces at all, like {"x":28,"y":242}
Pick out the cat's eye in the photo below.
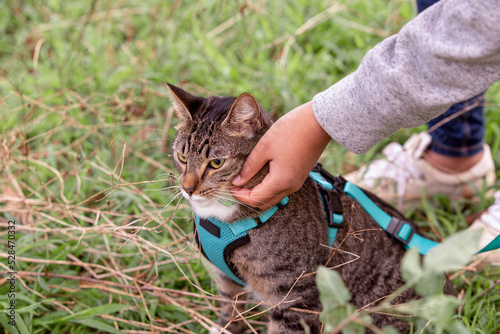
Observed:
{"x":182,"y":158}
{"x":217,"y":163}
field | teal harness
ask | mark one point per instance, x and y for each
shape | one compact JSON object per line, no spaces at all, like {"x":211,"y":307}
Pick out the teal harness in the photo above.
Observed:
{"x":218,"y":240}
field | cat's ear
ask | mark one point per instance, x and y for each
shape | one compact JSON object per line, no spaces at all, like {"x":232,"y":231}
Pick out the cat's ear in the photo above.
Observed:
{"x":245,"y":116}
{"x":184,"y":103}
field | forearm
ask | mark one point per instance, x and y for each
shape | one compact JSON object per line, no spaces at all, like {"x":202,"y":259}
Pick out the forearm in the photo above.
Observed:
{"x":447,"y":54}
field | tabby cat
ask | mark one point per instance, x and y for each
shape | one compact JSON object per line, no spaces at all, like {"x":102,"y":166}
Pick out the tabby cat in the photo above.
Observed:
{"x":214,"y":137}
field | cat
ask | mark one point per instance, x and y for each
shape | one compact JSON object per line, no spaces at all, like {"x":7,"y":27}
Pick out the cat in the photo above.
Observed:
{"x":214,"y":136}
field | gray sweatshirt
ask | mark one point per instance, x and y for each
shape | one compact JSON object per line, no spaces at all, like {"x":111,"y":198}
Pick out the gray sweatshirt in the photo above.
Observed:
{"x":447,"y":54}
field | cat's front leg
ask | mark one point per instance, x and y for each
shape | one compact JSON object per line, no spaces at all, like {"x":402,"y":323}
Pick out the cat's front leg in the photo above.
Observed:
{"x":299,"y":306}
{"x":291,"y":320}
{"x":232,"y":307}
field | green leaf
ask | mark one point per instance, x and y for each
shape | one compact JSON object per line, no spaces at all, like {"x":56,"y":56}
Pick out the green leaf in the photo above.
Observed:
{"x":335,"y":298}
{"x":331,"y":287}
{"x":88,"y":313}
{"x":389,"y":330}
{"x":411,"y":269}
{"x":102,"y":309}
{"x":332,"y":316}
{"x":423,"y":282}
{"x":430,"y":284}
{"x":454,"y":252}
{"x":21,"y":325}
{"x":4,"y":321}
{"x":97,"y":324}
{"x":49,"y":316}
{"x":33,"y":306}
{"x":355,"y":328}
{"x":439,"y":309}
{"x":458,"y":328}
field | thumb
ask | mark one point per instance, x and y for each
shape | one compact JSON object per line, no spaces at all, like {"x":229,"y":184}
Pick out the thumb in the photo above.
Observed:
{"x":253,"y":163}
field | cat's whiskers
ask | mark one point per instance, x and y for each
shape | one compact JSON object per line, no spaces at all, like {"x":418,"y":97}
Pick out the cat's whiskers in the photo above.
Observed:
{"x":225,"y":195}
{"x":172,"y":175}
{"x":246,"y":205}
{"x":172,"y":197}
{"x":231,"y":199}
{"x":166,"y":188}
{"x":268,"y":196}
{"x":170,"y":178}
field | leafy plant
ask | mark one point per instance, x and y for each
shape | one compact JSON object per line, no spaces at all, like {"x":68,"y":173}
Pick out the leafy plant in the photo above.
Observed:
{"x":434,"y":312}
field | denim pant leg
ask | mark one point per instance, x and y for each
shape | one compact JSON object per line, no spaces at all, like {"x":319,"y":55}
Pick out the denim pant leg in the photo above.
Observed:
{"x":462,"y":136}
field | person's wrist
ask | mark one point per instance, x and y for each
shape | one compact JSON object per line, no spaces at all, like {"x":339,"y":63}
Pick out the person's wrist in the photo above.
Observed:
{"x":319,"y":138}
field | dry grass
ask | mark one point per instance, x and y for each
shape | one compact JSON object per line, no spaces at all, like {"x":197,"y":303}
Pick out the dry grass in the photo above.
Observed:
{"x":103,"y":243}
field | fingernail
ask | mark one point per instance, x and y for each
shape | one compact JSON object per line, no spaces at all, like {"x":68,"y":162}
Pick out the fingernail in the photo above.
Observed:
{"x":236,"y":180}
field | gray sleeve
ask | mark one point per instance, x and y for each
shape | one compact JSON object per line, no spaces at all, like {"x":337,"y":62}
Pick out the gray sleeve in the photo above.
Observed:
{"x":447,"y":54}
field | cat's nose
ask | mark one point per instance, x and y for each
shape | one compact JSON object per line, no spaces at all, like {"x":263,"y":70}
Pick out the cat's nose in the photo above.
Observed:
{"x":190,"y":183}
{"x":190,"y":190}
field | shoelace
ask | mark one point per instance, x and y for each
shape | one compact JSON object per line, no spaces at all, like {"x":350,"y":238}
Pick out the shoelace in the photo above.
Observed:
{"x":399,"y":165}
{"x":492,"y":216}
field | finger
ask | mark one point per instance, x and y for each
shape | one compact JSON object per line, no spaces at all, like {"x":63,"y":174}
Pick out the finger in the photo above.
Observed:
{"x":263,"y":196}
{"x":253,"y":164}
{"x":256,"y":197}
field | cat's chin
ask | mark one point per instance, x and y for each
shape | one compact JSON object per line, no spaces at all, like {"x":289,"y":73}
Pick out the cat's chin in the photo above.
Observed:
{"x":210,"y":208}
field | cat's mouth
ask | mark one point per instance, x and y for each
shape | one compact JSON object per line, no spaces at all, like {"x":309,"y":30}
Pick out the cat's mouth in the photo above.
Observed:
{"x":207,"y":207}
{"x":199,"y":201}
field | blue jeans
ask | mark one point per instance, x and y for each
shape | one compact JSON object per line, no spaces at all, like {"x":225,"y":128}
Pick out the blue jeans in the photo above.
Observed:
{"x":462,"y":136}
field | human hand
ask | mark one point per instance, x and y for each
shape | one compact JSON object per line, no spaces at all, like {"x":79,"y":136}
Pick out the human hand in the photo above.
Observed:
{"x":291,"y":146}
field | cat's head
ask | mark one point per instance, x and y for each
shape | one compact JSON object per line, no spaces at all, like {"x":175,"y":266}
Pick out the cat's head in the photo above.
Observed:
{"x":214,"y":137}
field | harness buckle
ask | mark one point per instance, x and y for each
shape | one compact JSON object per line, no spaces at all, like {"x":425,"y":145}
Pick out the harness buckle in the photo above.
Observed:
{"x":330,"y":209}
{"x":395,"y":226}
{"x":332,"y":204}
{"x":337,"y":182}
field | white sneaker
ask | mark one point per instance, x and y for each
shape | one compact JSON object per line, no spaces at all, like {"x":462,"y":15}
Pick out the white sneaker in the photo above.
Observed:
{"x":489,"y":221}
{"x":404,"y":175}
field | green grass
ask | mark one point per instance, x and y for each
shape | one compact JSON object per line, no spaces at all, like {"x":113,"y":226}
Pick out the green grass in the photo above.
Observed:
{"x":85,"y":130}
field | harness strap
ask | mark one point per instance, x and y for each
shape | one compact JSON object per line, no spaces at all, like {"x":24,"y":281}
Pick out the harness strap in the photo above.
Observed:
{"x":246,"y":224}
{"x":213,"y":245}
{"x":218,"y":239}
{"x":395,"y":227}
{"x":398,"y":228}
{"x":494,"y":244}
{"x":332,"y":205}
